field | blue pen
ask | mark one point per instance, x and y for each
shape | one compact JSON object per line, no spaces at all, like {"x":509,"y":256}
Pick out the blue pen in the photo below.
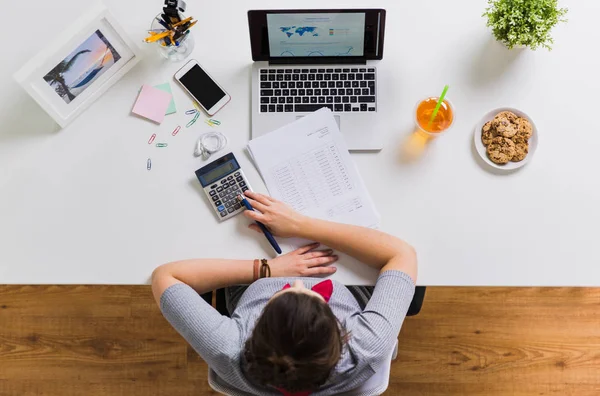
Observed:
{"x":268,"y":234}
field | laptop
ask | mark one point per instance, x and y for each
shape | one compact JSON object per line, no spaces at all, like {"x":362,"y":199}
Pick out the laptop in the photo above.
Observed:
{"x":308,"y":59}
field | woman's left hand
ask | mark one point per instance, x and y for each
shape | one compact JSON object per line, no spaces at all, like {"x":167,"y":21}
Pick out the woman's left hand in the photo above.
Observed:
{"x":304,"y":261}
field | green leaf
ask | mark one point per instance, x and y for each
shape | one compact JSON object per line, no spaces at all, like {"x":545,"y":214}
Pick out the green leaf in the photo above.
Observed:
{"x":524,"y":22}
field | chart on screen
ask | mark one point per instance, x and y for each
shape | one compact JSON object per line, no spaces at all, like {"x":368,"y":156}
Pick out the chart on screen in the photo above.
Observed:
{"x":320,"y":34}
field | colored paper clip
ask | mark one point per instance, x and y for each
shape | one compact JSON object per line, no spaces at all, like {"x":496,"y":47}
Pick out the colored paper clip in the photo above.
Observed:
{"x":175,"y":131}
{"x":162,"y":144}
{"x":149,"y":164}
{"x":193,"y":120}
{"x":152,"y":138}
{"x":196,"y":106}
{"x":192,"y":111}
{"x":212,"y":122}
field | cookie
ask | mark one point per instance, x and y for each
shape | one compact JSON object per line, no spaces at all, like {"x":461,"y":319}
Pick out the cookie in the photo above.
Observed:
{"x":504,"y":127}
{"x":512,"y":117}
{"x":487,"y":133}
{"x":524,"y":128}
{"x":501,"y":150}
{"x":521,"y":150}
{"x":519,"y":139}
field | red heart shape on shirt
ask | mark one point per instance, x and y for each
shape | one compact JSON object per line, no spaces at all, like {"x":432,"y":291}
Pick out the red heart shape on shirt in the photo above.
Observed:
{"x":286,"y":393}
{"x":325,"y":289}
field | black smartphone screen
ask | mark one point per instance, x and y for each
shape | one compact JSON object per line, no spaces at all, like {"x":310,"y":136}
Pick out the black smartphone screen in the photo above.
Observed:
{"x":202,"y":87}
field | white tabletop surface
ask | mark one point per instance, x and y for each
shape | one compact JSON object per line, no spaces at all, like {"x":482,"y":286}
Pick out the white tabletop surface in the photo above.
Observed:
{"x":77,"y":205}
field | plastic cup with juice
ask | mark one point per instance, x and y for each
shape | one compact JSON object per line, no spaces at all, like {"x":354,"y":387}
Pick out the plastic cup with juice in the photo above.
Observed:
{"x":442,"y":121}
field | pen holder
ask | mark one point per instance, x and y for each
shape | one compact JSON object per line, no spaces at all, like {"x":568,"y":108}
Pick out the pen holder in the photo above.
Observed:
{"x":174,"y":53}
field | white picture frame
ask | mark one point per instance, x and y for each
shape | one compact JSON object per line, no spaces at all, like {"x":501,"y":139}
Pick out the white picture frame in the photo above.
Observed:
{"x":70,"y":73}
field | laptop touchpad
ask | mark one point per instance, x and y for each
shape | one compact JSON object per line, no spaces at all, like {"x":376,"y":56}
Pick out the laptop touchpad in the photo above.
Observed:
{"x":337,"y":119}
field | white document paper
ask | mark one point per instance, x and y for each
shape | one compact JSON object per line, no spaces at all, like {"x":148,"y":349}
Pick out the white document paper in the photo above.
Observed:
{"x":307,"y":165}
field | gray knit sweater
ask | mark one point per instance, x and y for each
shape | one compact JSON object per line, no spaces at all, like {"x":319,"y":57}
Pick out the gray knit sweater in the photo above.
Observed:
{"x":219,"y":340}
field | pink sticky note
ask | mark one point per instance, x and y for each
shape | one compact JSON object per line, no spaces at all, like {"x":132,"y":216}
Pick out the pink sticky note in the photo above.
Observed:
{"x":152,"y":103}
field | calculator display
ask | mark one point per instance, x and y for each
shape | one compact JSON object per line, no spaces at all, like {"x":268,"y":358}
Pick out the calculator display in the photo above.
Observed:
{"x":219,"y":172}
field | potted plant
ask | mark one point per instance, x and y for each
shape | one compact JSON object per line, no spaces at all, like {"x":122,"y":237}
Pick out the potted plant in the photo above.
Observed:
{"x":524,"y":23}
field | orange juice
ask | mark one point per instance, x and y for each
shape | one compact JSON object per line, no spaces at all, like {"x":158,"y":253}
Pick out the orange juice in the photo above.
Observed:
{"x":442,"y":120}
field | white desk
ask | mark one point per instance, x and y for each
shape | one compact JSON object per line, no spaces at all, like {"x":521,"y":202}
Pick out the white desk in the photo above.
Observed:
{"x":79,"y":206}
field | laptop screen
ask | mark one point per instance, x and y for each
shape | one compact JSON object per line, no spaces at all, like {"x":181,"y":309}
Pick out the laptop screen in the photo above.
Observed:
{"x":316,"y":36}
{"x":322,"y":34}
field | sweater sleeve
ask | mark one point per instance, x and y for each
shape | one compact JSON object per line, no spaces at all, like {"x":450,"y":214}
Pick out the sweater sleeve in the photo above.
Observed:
{"x":374,"y":332}
{"x":215,"y":337}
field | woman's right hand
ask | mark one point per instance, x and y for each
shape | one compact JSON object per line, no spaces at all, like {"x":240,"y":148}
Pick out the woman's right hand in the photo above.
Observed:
{"x":282,"y":220}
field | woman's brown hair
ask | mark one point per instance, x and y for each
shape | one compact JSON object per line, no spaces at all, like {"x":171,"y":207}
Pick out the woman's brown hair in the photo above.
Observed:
{"x":296,"y":343}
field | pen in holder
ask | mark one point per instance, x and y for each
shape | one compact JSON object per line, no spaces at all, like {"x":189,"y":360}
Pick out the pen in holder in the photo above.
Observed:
{"x":174,"y":50}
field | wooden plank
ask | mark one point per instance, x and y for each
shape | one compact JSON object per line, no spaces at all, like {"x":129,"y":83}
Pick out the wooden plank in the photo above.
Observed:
{"x":69,"y":301}
{"x":548,"y":338}
{"x":99,"y":340}
{"x":145,"y":387}
{"x":490,"y":389}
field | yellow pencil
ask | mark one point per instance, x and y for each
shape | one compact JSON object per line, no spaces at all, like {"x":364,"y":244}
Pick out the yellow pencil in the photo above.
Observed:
{"x":156,"y":37}
{"x":192,"y":24}
{"x":183,"y":21}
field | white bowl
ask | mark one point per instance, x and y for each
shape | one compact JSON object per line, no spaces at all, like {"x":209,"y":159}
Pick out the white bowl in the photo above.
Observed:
{"x":533,"y":141}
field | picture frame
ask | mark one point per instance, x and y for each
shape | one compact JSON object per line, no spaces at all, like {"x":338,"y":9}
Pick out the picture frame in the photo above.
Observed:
{"x":74,"y":70}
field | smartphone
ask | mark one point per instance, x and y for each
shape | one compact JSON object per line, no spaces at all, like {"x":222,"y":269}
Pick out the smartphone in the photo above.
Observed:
{"x":210,"y":95}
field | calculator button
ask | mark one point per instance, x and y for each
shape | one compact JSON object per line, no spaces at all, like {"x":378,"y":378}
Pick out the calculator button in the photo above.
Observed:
{"x":242,"y":184}
{"x":213,"y":192}
{"x":218,"y":203}
{"x":213,"y":186}
{"x":230,"y":178}
{"x":237,"y":206}
{"x":223,"y":181}
{"x":240,"y":178}
{"x":231,"y":183}
{"x":215,"y":198}
{"x":222,"y":195}
{"x":221,"y":208}
{"x":244,"y":189}
{"x":227,"y":204}
{"x":236,"y":174}
{"x":230,"y":210}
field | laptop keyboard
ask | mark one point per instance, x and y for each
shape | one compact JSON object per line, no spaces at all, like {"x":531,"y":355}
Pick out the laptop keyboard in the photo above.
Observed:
{"x":298,"y":90}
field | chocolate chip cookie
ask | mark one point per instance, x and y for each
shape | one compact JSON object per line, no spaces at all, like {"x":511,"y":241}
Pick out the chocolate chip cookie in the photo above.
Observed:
{"x":512,"y":117}
{"x":501,"y":150}
{"x":521,"y":150}
{"x":524,"y":128}
{"x":487,"y":133}
{"x":504,"y":127}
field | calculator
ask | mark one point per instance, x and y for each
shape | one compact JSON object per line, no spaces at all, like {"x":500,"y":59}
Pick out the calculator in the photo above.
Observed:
{"x":223,"y":180}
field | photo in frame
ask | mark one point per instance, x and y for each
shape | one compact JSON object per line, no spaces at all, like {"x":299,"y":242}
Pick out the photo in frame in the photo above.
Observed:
{"x":79,"y":66}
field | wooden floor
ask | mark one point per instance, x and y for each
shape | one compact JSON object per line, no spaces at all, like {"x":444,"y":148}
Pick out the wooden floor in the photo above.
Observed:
{"x":111,"y":340}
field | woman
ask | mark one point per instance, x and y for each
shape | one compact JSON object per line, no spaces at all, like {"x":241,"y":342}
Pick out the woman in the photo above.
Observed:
{"x":289,"y":333}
